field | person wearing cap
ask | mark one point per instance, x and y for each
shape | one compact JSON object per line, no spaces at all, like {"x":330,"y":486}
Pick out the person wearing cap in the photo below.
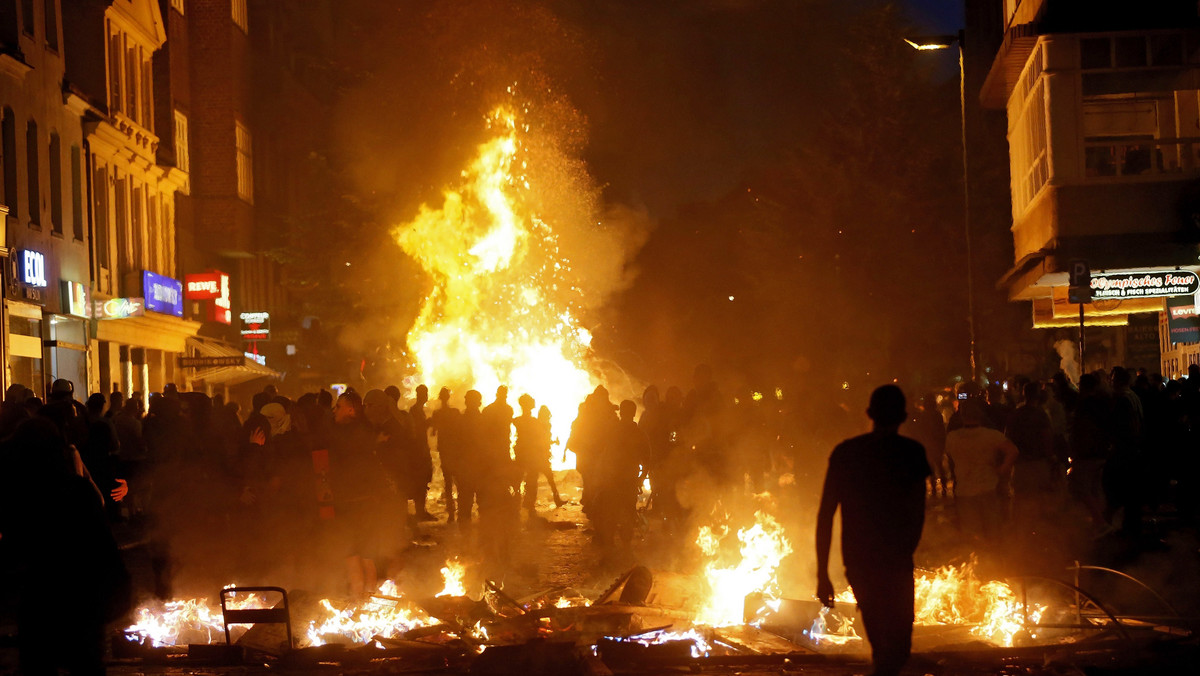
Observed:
{"x":878,"y":481}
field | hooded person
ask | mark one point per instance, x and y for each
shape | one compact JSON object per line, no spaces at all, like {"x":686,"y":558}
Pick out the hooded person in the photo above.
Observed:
{"x":278,"y":418}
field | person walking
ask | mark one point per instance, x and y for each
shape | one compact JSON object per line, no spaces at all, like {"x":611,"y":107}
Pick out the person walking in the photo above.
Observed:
{"x":878,"y":481}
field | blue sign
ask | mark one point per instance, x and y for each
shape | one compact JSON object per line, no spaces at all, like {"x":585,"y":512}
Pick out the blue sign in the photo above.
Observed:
{"x":163,"y":294}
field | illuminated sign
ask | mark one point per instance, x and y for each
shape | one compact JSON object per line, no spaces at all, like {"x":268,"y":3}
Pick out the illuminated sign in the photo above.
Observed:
{"x":33,"y":268}
{"x":76,"y":296}
{"x":260,"y":359}
{"x":119,"y":308}
{"x":206,"y":286}
{"x":211,"y":362}
{"x":220,"y":312}
{"x":256,"y":325}
{"x":1117,"y":285}
{"x":163,"y":294}
{"x":212,"y":285}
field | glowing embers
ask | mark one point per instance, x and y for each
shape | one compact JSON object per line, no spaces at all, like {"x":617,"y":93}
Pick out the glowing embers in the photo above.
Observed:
{"x":502,"y":308}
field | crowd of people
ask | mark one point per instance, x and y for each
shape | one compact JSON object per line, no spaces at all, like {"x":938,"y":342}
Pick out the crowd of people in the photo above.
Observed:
{"x":351,"y":475}
{"x":1114,"y":449}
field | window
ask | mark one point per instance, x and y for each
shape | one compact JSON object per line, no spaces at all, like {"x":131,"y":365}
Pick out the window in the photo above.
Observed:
{"x":137,"y":206}
{"x":27,"y":17}
{"x":115,"y":52}
{"x":34,"y":183}
{"x":130,"y":79}
{"x":241,"y":15}
{"x":101,"y":188}
{"x":1027,"y":142}
{"x":8,"y":129}
{"x":76,"y":193}
{"x":56,"y":210}
{"x":52,"y":24}
{"x":1095,"y":53}
{"x":147,"y":118}
{"x":1131,"y":52}
{"x":177,"y":5}
{"x":182,"y":155}
{"x":245,"y":163}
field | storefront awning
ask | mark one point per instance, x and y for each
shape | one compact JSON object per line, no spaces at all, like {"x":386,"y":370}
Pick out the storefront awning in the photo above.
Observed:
{"x":244,"y":371}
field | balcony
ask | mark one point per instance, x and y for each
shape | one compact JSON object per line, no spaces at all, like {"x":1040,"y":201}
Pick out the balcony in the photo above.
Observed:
{"x":1142,"y":158}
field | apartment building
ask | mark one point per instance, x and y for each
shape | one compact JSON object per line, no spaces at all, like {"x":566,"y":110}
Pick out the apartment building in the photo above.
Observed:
{"x":1103,"y":108}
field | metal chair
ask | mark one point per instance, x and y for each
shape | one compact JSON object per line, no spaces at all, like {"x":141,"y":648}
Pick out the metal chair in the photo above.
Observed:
{"x":277,"y":615}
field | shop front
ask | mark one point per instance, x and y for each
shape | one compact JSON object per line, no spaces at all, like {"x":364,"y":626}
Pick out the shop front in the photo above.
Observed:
{"x":139,"y":340}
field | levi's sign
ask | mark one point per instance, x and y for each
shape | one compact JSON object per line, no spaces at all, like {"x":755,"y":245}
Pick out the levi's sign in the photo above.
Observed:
{"x":1144,"y":284}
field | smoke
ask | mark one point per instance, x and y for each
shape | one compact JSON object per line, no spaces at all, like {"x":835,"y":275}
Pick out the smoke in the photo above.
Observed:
{"x":1068,"y":353}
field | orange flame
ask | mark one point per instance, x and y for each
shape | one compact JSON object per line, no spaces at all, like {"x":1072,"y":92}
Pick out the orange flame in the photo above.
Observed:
{"x":763,"y":547}
{"x":499,"y":311}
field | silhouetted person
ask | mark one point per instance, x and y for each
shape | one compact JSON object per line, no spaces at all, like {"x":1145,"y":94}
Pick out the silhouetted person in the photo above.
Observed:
{"x":878,"y":480}
{"x":1091,"y":444}
{"x":356,"y":480}
{"x":1034,"y":477}
{"x":591,"y":437}
{"x":532,"y":450}
{"x":13,"y":411}
{"x":446,"y":423}
{"x":927,"y":427}
{"x":619,"y":473}
{"x":422,"y":460}
{"x":63,"y":559}
{"x":470,"y":470}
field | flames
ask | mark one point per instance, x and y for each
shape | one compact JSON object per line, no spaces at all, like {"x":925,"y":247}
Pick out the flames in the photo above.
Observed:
{"x":386,"y":614}
{"x":500,"y":311}
{"x":453,"y":575}
{"x":953,"y":595}
{"x":762,"y":548}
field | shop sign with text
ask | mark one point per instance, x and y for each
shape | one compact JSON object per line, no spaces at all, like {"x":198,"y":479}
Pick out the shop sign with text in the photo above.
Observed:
{"x":256,"y":325}
{"x":119,"y":308}
{"x":163,"y":294}
{"x":213,"y":286}
{"x":1117,"y":285}
{"x":33,"y":268}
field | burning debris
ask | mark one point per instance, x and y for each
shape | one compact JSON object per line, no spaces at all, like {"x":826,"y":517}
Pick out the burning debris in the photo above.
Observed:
{"x":731,"y":612}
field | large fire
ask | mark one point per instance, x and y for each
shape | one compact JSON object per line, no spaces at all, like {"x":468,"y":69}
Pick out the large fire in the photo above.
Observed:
{"x":500,"y":310}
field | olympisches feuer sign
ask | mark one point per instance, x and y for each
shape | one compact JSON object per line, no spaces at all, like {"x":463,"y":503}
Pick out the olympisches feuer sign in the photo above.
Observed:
{"x":1117,"y":285}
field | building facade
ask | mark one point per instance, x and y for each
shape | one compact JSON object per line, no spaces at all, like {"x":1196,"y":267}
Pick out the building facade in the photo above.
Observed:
{"x":1103,"y":108}
{"x":46,"y":239}
{"x":140,"y":331}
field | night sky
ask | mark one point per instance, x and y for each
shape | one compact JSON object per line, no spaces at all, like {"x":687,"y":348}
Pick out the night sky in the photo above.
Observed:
{"x":937,"y":16}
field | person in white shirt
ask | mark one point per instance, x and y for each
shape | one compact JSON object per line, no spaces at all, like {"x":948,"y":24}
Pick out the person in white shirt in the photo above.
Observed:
{"x":983,"y":460}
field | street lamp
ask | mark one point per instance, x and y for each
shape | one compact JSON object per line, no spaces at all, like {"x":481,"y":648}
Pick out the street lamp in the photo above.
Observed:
{"x":933,"y":42}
